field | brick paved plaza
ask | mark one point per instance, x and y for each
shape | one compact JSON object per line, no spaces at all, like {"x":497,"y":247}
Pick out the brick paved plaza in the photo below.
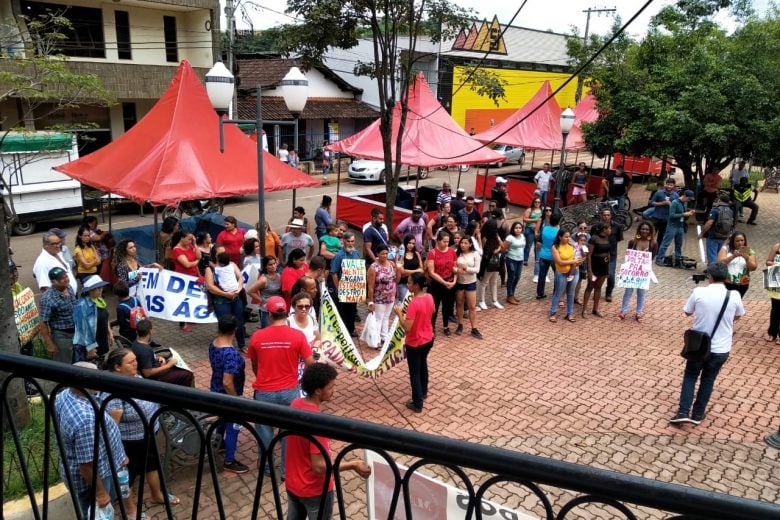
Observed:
{"x":598,"y":392}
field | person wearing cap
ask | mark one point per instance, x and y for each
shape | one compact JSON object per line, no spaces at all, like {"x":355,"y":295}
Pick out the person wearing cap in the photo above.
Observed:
{"x":444,"y":196}
{"x":93,"y":335}
{"x":500,"y":194}
{"x":274,"y":354}
{"x":77,"y":420}
{"x":458,"y":202}
{"x":542,"y":180}
{"x":51,"y":256}
{"x":296,"y":238}
{"x":716,"y":234}
{"x":705,"y":304}
{"x":56,"y":313}
{"x":413,"y":225}
{"x":675,"y":230}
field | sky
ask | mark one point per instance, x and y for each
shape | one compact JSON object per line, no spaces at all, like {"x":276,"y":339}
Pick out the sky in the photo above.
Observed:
{"x":556,"y":15}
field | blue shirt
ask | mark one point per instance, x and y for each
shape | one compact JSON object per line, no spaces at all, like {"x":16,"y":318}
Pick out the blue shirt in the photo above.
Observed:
{"x":131,"y":426}
{"x":322,"y":219}
{"x":548,"y":237}
{"x":676,"y":213}
{"x":57,"y":308}
{"x":77,"y":428}
{"x":335,"y":264}
{"x":226,"y":360}
{"x":662,"y":212}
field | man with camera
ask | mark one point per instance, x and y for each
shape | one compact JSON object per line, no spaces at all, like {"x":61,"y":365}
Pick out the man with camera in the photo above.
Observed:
{"x":714,"y":315}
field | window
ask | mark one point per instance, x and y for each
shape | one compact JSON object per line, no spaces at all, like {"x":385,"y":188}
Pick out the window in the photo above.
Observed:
{"x":84,"y":39}
{"x":129,"y":116}
{"x":122,"y":23}
{"x":171,"y":49}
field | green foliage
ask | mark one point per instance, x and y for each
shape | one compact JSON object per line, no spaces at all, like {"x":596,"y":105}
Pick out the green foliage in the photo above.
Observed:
{"x":689,"y":90}
{"x":486,"y":83}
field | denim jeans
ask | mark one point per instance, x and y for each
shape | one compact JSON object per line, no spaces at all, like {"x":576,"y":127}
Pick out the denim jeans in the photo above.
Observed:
{"x":543,"y":197}
{"x":713,"y":246}
{"x":84,"y":498}
{"x":561,"y":286}
{"x":530,"y":242}
{"x":266,"y":433}
{"x":641,"y":296}
{"x":514,"y":268}
{"x":417,"y":359}
{"x":544,"y":267}
{"x":611,"y":277}
{"x":299,"y":508}
{"x":709,"y":370}
{"x":621,"y":202}
{"x":265,"y":319}
{"x":236,"y":309}
{"x":675,"y":233}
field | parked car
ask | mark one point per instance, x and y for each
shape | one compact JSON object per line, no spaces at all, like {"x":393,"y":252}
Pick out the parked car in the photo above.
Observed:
{"x":512,"y":153}
{"x":368,"y":170}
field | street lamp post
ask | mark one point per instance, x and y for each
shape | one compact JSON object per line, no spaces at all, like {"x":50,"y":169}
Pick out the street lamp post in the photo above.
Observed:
{"x":567,"y":121}
{"x":220,"y":84}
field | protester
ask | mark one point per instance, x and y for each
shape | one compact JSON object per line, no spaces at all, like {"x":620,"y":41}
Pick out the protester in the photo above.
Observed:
{"x":66,"y":253}
{"x":129,"y":311}
{"x":500,"y":194}
{"x":85,"y":254}
{"x":56,"y":314}
{"x":407,"y":263}
{"x":225,"y":283}
{"x":294,"y":239}
{"x":468,"y":214}
{"x":227,"y":377}
{"x":545,"y":238}
{"x":542,"y":180}
{"x":675,"y":230}
{"x":49,"y":258}
{"x":581,"y":250}
{"x":274,"y":353}
{"x":417,"y":321}
{"x":99,"y":238}
{"x":450,"y":228}
{"x":152,"y":366}
{"x":381,"y":290}
{"x":170,"y":225}
{"x":374,"y":235}
{"x":322,"y":217}
{"x":441,"y":267}
{"x":468,"y":264}
{"x":741,"y":261}
{"x":567,"y":272}
{"x":186,"y":258}
{"x":125,"y":263}
{"x":435,"y":224}
{"x":490,"y":264}
{"x":414,"y":225}
{"x":76,"y":419}
{"x":203,"y":243}
{"x":544,"y":221}
{"x":347,"y":310}
{"x":295,"y":267}
{"x":531,"y":217}
{"x":304,"y":320}
{"x":268,"y":284}
{"x":252,"y":254}
{"x":643,"y":242}
{"x":299,"y":213}
{"x":599,"y":253}
{"x":615,"y":236}
{"x":718,"y":227}
{"x":122,"y":362}
{"x":232,"y":237}
{"x":306,"y":465}
{"x":273,"y":244}
{"x":93,"y":336}
{"x":515,"y":248}
{"x":705,"y":304}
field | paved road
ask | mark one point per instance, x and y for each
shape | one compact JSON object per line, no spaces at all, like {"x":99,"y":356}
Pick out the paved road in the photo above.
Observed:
{"x":596,"y":392}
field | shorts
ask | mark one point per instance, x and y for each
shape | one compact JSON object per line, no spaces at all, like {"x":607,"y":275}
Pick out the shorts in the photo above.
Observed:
{"x":468,"y":287}
{"x":578,"y":191}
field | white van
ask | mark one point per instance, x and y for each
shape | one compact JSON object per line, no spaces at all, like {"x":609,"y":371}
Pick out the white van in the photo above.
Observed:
{"x":37,"y":192}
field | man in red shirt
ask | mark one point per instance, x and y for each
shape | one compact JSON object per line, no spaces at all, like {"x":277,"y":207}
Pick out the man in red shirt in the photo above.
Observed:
{"x":306,"y":466}
{"x":275,"y":353}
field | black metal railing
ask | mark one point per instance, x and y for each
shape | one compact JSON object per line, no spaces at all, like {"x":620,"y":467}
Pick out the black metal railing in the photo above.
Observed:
{"x":621,"y":495}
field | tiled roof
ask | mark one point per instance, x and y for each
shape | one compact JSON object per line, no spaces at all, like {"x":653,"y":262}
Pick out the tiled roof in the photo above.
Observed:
{"x":316,"y":108}
{"x":268,"y":72}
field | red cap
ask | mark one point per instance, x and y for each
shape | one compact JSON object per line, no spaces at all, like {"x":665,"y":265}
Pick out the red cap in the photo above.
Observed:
{"x":276,"y":305}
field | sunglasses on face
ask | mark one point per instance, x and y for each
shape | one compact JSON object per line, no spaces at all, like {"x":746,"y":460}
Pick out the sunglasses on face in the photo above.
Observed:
{"x":303,"y":307}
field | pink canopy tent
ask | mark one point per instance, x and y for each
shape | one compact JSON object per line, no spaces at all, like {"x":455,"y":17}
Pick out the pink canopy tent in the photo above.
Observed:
{"x":431,"y":137}
{"x":172,"y":154}
{"x":584,"y":112}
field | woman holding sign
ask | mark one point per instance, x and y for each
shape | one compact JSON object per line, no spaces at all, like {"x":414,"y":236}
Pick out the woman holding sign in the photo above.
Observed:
{"x":126,"y":264}
{"x":643,"y":242}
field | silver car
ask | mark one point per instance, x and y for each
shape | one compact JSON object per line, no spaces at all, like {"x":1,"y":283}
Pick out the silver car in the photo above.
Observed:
{"x":368,"y":170}
{"x":512,"y":153}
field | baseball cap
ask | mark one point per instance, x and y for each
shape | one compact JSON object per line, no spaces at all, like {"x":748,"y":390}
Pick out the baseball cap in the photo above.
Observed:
{"x":417,"y":209}
{"x":500,"y":180}
{"x":56,"y":272}
{"x":60,"y":233}
{"x":460,"y":190}
{"x":296,"y":223}
{"x":690,"y":194}
{"x":276,"y":305}
{"x":92,"y":282}
{"x":251,"y":234}
{"x":723,"y":197}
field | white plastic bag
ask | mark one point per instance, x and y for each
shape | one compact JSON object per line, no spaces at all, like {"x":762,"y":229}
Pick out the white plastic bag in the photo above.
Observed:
{"x":371,"y":331}
{"x":103,"y":513}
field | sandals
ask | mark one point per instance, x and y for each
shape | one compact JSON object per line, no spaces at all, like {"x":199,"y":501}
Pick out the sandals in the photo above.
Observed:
{"x":597,"y":313}
{"x":639,"y":318}
{"x":553,"y":319}
{"x":622,"y":316}
{"x":770,"y":339}
{"x":173,"y":499}
{"x":570,"y":318}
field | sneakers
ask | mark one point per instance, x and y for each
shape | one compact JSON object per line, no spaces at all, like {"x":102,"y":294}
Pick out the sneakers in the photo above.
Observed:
{"x":497,"y":305}
{"x":536,"y":278}
{"x":235,"y":467}
{"x":697,"y":419}
{"x":459,"y":329}
{"x":447,"y":332}
{"x":476,"y":334}
{"x":411,"y":406}
{"x":483,"y":306}
{"x":680,"y":418}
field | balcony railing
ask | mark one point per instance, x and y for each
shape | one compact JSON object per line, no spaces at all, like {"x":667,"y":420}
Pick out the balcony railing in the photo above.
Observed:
{"x":619,"y":495}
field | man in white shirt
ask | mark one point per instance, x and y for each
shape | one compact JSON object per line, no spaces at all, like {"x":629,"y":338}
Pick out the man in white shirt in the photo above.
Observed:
{"x":738,"y":173}
{"x":704,"y":304}
{"x":542,"y":179}
{"x":51,"y":257}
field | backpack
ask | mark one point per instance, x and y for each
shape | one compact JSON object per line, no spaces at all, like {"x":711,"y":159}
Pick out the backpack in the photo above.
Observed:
{"x":137,"y":313}
{"x":725,"y":222}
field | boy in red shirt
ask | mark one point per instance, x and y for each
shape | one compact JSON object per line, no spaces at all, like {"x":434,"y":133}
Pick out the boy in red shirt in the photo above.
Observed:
{"x":306,"y":466}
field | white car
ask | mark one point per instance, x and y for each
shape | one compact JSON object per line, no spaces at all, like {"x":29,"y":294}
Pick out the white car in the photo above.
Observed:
{"x":512,"y":153}
{"x":368,"y":170}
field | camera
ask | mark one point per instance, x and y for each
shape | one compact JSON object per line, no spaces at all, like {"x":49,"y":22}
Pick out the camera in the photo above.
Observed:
{"x":698,"y":277}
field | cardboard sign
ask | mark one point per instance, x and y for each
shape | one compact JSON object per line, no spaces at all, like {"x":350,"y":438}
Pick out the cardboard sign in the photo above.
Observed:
{"x":352,"y":284}
{"x":637,"y":270}
{"x":26,"y":315}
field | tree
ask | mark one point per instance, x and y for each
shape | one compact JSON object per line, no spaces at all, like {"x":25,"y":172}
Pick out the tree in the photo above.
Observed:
{"x":339,"y":24}
{"x":33,"y":72}
{"x":686,"y":90}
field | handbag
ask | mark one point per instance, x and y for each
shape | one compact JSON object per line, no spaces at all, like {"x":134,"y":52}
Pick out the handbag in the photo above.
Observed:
{"x":696,"y":344}
{"x":493,"y":263}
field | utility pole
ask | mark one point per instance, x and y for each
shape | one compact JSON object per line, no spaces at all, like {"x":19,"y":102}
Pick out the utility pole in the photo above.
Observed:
{"x":231,"y":27}
{"x":589,"y":11}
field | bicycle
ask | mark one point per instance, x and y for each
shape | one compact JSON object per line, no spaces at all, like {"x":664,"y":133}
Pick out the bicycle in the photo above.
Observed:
{"x":194,"y":208}
{"x":591,"y":213}
{"x":771,"y":179}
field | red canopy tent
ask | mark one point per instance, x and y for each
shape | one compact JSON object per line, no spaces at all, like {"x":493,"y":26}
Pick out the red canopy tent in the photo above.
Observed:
{"x":431,"y":137}
{"x":584,"y":112}
{"x":172,"y":154}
